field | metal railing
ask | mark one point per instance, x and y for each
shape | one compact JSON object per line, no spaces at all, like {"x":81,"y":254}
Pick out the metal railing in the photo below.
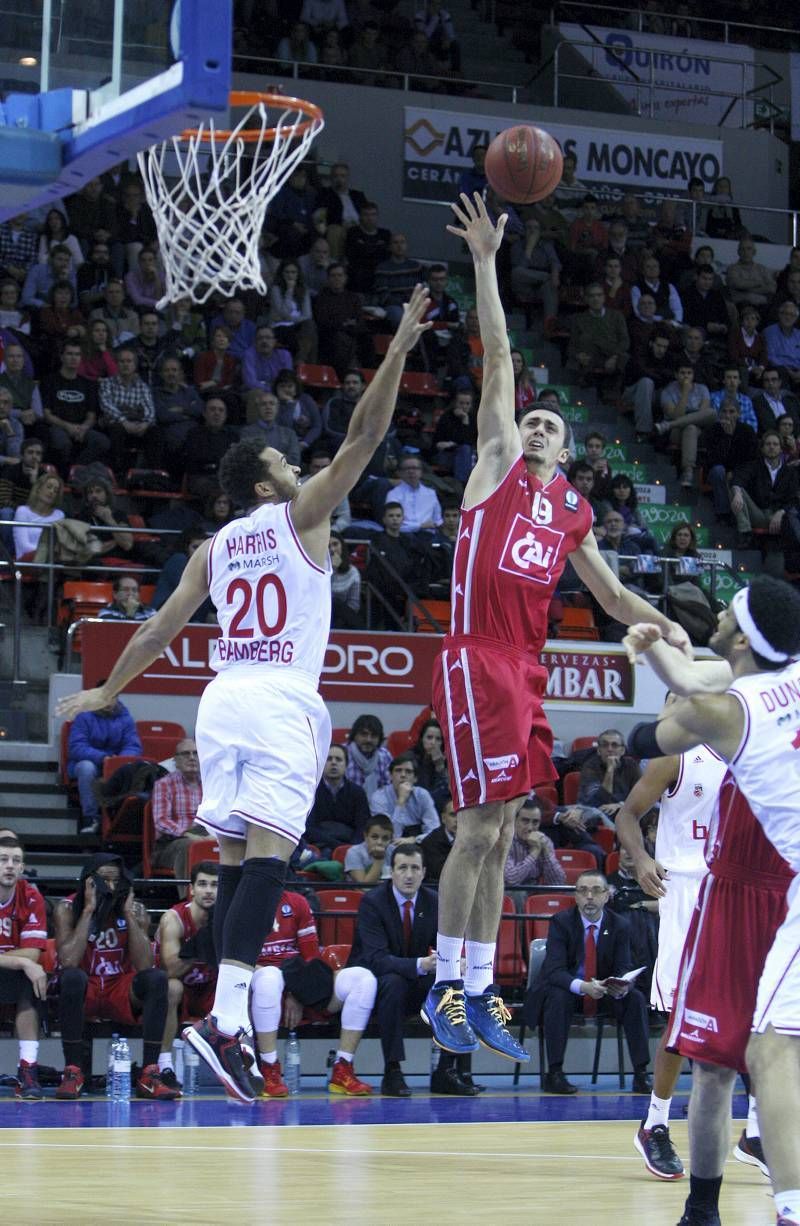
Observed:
{"x":637,"y":18}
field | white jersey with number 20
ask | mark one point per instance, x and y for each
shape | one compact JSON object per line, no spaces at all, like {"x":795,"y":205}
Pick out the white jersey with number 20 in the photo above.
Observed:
{"x":273,"y":603}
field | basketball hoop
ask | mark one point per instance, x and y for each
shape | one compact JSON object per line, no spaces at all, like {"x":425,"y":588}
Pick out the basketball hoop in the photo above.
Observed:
{"x":209,"y":189}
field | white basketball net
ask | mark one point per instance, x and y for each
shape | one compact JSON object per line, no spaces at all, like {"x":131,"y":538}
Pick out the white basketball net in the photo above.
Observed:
{"x":209,"y":199}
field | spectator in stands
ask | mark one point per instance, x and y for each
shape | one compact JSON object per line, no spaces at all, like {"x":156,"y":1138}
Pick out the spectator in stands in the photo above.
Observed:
{"x":94,"y":736}
{"x":19,"y":248}
{"x":595,"y":454}
{"x":186,"y":328}
{"x":94,"y":275}
{"x":16,"y":485}
{"x":608,"y":773}
{"x":185,"y":952}
{"x":647,"y":374}
{"x":264,"y":360}
{"x":438,"y":27}
{"x":341,"y":517}
{"x":416,"y":59}
{"x":144,"y":285}
{"x":13,"y":318}
{"x":297,"y":47}
{"x":617,"y":291}
{"x":297,"y":411}
{"x":436,"y":846}
{"x":242,"y":330}
{"x":783,"y":275}
{"x":395,"y":279}
{"x":623,"y":498}
{"x":555,"y":227}
{"x":692,"y":213}
{"x":728,"y":445}
{"x":369,"y":51}
{"x":582,"y":476}
{"x":290,"y":313}
{"x":265,"y":427}
{"x":129,"y":415}
{"x":366,"y":863}
{"x":670,"y":239}
{"x":218,"y":511}
{"x":291,"y":215}
{"x":410,"y":808}
{"x":368,"y":759}
{"x":722,"y":220}
{"x":588,"y":237}
{"x":569,"y":194}
{"x":473,"y":179}
{"x":569,"y":983}
{"x":41,"y":508}
{"x":761,"y":494}
{"x":790,"y":294}
{"x":531,"y":856}
{"x":535,"y":270}
{"x":618,"y":540}
{"x":729,"y":392}
{"x":126,"y":604}
{"x":783,"y":344}
{"x":23,"y":982}
{"x":345,"y":587}
{"x":107,"y":972}
{"x":59,"y":318}
{"x":176,"y":798}
{"x":392,"y":939}
{"x":687,"y":409}
{"x":747,"y":280}
{"x":465,"y":355}
{"x":123,"y":323}
{"x":11,"y":432}
{"x":695,"y":352}
{"x":570,"y":826}
{"x":150,"y":346}
{"x":421,"y":508}
{"x":629,"y":900}
{"x":524,"y":385}
{"x":367,"y":245}
{"x":618,"y":248}
{"x":26,"y":397}
{"x":746,"y":346}
{"x":339,"y":409}
{"x":342,"y":205}
{"x":97,"y":362}
{"x":599,"y":344}
{"x":340,"y":812}
{"x":133,"y":226}
{"x":178,"y":407}
{"x":681,"y":542}
{"x":337,"y":312}
{"x":669,"y":307}
{"x":774,"y":401}
{"x":705,"y":307}
{"x":445,"y":315}
{"x":98,"y":510}
{"x":314,"y":265}
{"x":789,"y":444}
{"x":216,"y":370}
{"x":430,"y":761}
{"x":206,"y":444}
{"x":41,"y":278}
{"x":172,"y":570}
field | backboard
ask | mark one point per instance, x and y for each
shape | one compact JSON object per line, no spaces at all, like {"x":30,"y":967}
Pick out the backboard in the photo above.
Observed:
{"x":95,"y":81}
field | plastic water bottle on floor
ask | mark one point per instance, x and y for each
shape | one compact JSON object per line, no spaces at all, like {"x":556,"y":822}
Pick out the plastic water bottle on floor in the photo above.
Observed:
{"x":436,"y":1052}
{"x":191,"y":1067}
{"x":112,"y":1051}
{"x":178,"y":1058}
{"x":291,"y":1070}
{"x":121,"y":1080}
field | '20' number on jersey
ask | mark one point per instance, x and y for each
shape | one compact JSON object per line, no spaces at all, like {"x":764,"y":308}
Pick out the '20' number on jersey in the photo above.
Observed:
{"x":269,"y":598}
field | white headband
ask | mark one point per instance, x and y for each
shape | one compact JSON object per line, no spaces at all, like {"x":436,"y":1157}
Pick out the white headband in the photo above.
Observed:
{"x":741,"y":609}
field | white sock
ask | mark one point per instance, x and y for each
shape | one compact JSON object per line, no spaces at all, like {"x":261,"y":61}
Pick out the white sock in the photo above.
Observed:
{"x":480,"y":967}
{"x":448,"y":957}
{"x":29,"y":1050}
{"x":751,"y":1128}
{"x":165,"y":1061}
{"x":788,"y":1204}
{"x":269,"y":1057}
{"x":356,"y":988}
{"x":345,"y":1055}
{"x":658,"y":1112}
{"x":230,"y":1000}
{"x":265,"y":999}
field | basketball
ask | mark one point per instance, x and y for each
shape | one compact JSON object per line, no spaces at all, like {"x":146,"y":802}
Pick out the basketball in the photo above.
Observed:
{"x":523,"y":164}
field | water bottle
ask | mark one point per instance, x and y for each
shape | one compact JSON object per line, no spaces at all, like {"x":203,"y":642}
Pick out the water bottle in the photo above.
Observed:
{"x":435,"y":1055}
{"x":112,"y":1050}
{"x":178,"y":1058}
{"x":329,"y":1063}
{"x":191,"y":1064}
{"x":291,"y":1071}
{"x":121,"y":1078}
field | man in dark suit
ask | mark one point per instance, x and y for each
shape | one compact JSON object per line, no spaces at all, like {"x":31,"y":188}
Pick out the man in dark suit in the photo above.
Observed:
{"x":761,"y":494}
{"x":340,"y":811}
{"x":774,"y":402}
{"x":568,"y":983}
{"x":395,"y":933}
{"x":436,"y":846}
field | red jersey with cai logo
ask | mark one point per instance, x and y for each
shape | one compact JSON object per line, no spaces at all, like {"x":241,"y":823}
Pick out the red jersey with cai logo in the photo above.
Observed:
{"x":293,"y":932}
{"x":511,"y":551}
{"x":23,"y":919}
{"x":106,"y":952}
{"x":201,"y":972}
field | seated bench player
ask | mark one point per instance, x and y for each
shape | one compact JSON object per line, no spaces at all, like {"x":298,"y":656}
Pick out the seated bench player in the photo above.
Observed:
{"x":185,"y":951}
{"x":23,"y":936}
{"x":103,"y":943}
{"x":290,"y":962}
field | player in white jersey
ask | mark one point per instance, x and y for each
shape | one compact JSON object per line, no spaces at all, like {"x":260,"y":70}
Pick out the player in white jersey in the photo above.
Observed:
{"x":755,"y":727}
{"x":687,"y":787}
{"x":262,"y":730}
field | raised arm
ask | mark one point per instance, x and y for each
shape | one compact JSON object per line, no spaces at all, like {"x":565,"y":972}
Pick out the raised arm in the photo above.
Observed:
{"x":679,"y":672}
{"x":152,"y":637}
{"x":316,"y":501}
{"x":660,"y":773}
{"x":498,"y":439}
{"x":712,"y":719}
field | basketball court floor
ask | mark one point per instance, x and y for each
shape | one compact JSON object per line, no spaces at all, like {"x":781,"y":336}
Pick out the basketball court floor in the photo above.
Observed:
{"x":507,"y":1156}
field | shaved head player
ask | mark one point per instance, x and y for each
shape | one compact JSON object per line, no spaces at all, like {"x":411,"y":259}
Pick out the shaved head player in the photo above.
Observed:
{"x":520,"y":521}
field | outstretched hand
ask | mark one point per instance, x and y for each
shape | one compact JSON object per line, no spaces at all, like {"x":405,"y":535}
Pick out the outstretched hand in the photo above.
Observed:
{"x":411,"y":326}
{"x":84,"y":700}
{"x":640,"y":638}
{"x":478,"y":230}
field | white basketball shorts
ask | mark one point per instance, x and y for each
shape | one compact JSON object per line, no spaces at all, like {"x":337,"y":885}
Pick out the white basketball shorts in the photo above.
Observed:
{"x":778,"y":1001}
{"x":674,"y":916}
{"x":262,"y":738}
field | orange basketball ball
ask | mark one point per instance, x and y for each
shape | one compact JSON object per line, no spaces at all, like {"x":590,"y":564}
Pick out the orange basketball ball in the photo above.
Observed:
{"x":524,"y":164}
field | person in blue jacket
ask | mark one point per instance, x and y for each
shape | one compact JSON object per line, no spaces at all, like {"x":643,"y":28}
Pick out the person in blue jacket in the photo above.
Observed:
{"x":96,"y":735}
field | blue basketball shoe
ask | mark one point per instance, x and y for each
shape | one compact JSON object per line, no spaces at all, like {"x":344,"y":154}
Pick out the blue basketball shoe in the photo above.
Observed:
{"x":445,"y":1012}
{"x":488,"y":1017}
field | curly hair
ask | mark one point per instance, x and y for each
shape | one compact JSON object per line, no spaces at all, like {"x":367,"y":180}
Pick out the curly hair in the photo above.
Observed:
{"x":240,"y":470}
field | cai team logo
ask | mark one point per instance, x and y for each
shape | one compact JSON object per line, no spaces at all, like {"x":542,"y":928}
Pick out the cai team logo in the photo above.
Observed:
{"x":531,"y":550}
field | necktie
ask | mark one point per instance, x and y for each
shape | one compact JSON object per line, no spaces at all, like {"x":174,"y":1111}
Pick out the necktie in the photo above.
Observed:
{"x":407,"y":926}
{"x":590,"y":970}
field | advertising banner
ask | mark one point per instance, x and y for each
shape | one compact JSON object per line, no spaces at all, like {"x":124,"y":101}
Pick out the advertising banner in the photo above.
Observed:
{"x":693,"y":81}
{"x":438,"y":144}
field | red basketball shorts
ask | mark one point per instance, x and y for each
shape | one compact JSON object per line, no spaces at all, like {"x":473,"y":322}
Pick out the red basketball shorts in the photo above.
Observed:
{"x":108,"y":998}
{"x":488,"y":700}
{"x":197,"y":1001}
{"x":732,"y":929}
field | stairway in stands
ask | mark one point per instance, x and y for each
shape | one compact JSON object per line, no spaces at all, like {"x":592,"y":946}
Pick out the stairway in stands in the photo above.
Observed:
{"x":37,"y":807}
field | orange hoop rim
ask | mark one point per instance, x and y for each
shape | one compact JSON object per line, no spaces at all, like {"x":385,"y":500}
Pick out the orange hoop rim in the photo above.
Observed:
{"x":246,"y":97}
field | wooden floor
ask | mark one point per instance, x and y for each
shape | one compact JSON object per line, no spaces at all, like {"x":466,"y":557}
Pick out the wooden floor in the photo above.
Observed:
{"x":540,"y":1174}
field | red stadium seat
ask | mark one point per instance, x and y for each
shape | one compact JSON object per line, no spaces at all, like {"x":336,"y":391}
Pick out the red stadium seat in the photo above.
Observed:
{"x":317,"y":376}
{"x":569,"y":787}
{"x":605,"y":837}
{"x":336,"y":956}
{"x":123,"y":823}
{"x":340,"y":852}
{"x":398,"y":742}
{"x":612,"y":862}
{"x":509,"y":967}
{"x":583,"y":742}
{"x":541,"y":905}
{"x":335,"y":928}
{"x":201,"y":849}
{"x":574,"y":862}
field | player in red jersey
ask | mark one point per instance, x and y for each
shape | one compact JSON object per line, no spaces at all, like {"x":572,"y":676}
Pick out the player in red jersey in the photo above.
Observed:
{"x":185,"y":950}
{"x":23,"y":936}
{"x":290,"y":962}
{"x":520,"y":521}
{"x":742,"y":957}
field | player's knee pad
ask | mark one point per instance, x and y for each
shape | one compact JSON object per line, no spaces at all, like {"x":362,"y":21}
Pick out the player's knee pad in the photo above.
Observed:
{"x":265,"y":999}
{"x":356,"y":988}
